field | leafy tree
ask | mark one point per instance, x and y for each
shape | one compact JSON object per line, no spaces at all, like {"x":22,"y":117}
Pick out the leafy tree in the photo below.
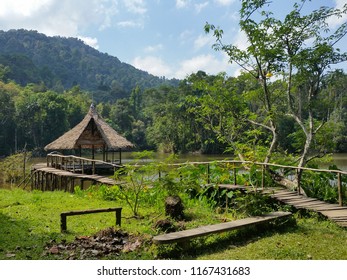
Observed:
{"x":299,"y":49}
{"x":7,"y":128}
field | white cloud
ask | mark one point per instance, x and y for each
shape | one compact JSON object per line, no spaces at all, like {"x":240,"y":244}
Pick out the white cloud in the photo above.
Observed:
{"x":224,"y":2}
{"x":93,"y":42}
{"x":130,"y":24}
{"x":241,"y":40}
{"x":199,"y":7}
{"x":181,"y":4}
{"x":57,"y":17}
{"x":153,"y":65}
{"x":22,"y":8}
{"x":154,"y":48}
{"x":202,"y":41}
{"x":208,"y":63}
{"x":336,"y":21}
{"x":135,"y":6}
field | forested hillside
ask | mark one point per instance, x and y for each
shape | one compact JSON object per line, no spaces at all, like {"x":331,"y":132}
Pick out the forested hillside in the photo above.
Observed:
{"x":61,"y":63}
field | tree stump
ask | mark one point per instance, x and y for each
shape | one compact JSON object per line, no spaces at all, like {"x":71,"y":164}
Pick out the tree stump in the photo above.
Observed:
{"x":174,"y":207}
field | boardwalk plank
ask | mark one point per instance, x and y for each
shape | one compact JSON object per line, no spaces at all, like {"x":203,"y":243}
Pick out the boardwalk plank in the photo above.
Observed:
{"x":217,"y":228}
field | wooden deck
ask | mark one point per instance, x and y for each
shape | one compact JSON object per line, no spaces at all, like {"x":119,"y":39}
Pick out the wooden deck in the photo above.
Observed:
{"x":217,"y":228}
{"x":48,"y":178}
{"x":333,"y":212}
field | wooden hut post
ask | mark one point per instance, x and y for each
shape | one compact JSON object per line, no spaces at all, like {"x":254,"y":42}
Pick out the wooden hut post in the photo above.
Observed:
{"x":120,"y":156}
{"x":339,"y":187}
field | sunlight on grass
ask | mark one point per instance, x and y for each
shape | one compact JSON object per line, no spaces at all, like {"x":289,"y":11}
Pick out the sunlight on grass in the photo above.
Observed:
{"x":30,"y":220}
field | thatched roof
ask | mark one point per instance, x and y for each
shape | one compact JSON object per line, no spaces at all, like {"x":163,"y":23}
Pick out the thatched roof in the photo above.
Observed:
{"x":91,"y":132}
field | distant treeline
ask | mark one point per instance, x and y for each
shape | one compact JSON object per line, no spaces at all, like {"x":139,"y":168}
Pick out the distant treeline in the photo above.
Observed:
{"x":208,"y":114}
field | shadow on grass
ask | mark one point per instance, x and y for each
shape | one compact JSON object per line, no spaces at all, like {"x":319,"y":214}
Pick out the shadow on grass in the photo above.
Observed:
{"x":17,"y":240}
{"x":222,"y":241}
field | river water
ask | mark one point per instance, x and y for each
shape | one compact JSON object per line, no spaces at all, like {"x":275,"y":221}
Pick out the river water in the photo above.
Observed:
{"x":340,"y":160}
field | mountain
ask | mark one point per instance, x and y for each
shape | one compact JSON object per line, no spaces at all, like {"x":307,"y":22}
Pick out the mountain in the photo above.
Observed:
{"x":61,"y":63}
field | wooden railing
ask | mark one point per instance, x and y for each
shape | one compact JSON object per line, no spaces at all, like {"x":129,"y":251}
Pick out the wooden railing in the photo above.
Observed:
{"x":264,"y":168}
{"x":77,"y":164}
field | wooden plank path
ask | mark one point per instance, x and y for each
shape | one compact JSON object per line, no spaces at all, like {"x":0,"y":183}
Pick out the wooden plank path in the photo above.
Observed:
{"x":185,"y":235}
{"x":42,"y":167}
{"x":333,"y":212}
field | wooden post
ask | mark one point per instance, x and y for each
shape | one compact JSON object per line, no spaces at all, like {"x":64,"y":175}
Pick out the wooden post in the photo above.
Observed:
{"x":119,"y":217}
{"x":235,"y":177}
{"x":63,"y":222}
{"x":63,"y":226}
{"x":298,"y":176}
{"x":208,"y":174}
{"x":120,"y":156}
{"x":263,"y":176}
{"x":339,"y":188}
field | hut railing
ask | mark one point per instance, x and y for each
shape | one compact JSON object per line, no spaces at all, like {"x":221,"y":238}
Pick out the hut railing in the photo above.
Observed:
{"x":77,"y":164}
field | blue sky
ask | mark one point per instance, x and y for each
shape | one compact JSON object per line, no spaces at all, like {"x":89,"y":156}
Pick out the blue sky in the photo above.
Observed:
{"x":162,"y":37}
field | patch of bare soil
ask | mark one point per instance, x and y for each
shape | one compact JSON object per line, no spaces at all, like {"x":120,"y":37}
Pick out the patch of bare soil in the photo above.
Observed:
{"x":105,"y":243}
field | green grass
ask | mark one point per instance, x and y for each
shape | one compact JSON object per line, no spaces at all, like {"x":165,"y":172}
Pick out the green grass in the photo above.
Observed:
{"x":312,"y":238}
{"x":30,"y":220}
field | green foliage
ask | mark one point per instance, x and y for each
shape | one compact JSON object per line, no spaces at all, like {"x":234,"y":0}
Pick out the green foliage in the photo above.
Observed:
{"x":323,"y":185}
{"x":61,"y":63}
{"x":135,"y":180}
{"x":277,"y":46}
{"x":12,"y":168}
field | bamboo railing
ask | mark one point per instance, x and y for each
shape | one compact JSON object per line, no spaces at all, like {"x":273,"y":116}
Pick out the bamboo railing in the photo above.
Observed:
{"x":265,"y":166}
{"x":77,"y":164}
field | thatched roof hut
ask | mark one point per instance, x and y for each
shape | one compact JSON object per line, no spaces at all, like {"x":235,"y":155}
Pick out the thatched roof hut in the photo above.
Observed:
{"x":91,"y":133}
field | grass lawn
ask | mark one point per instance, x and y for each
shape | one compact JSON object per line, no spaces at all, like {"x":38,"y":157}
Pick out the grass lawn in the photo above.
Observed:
{"x":31,"y":220}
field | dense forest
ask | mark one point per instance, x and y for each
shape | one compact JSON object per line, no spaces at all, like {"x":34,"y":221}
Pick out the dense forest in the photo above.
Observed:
{"x":205,"y":113}
{"x":61,"y":63}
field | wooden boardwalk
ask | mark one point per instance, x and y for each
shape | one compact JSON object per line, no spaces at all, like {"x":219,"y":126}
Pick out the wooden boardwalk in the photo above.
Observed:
{"x":184,"y":235}
{"x":48,"y":178}
{"x":333,"y":212}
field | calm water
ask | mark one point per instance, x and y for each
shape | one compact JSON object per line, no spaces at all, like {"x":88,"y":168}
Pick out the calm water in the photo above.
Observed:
{"x":340,"y":160}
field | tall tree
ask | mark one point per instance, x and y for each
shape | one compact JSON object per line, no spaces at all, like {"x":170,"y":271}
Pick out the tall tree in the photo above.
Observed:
{"x":298,"y":49}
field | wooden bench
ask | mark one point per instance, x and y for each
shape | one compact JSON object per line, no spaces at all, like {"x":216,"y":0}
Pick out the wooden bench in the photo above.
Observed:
{"x":185,"y":235}
{"x":63,"y":215}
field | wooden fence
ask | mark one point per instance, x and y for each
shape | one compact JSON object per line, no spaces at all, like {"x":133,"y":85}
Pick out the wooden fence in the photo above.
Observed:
{"x":264,"y":167}
{"x":78,"y":164}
